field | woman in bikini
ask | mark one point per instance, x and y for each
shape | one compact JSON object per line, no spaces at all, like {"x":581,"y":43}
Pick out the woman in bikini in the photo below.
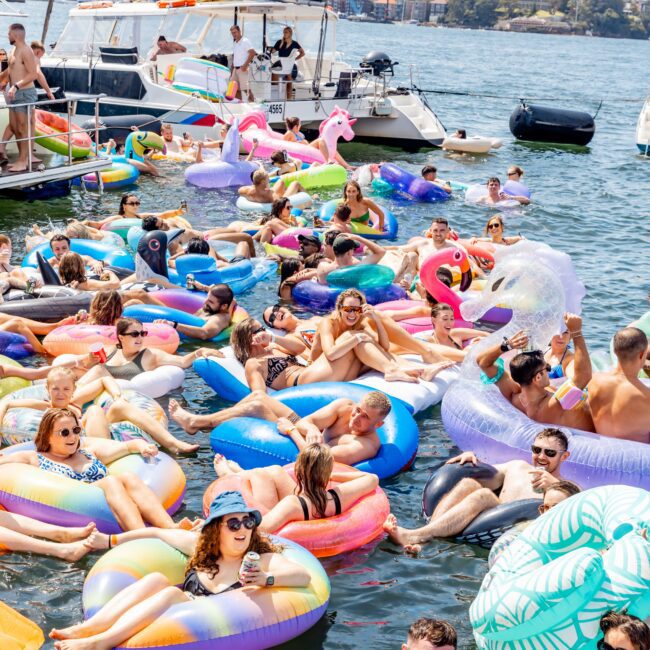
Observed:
{"x":360,"y":206}
{"x":560,"y":356}
{"x":493,"y":233}
{"x":61,"y":449}
{"x":72,"y":271}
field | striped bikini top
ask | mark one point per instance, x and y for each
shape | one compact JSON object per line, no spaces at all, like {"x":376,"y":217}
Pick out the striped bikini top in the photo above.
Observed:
{"x":93,"y":472}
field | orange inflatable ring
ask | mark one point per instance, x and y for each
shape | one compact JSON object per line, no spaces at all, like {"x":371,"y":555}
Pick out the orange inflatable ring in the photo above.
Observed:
{"x":351,"y":529}
{"x":77,"y":339}
{"x":170,"y":4}
{"x":51,"y":130}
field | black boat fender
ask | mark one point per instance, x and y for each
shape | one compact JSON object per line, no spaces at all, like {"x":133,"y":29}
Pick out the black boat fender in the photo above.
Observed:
{"x":549,"y":124}
{"x":489,"y":525}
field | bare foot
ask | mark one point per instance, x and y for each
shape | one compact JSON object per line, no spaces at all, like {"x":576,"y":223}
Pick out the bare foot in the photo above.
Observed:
{"x":97,"y":541}
{"x":74,"y":534}
{"x":182,"y":416}
{"x":78,"y":631}
{"x":221,"y":466}
{"x":74,"y":551}
{"x":429,"y":373}
{"x":17,"y":168}
{"x":400,"y":375}
{"x":400,"y":535}
{"x":235,"y":467}
{"x":183,"y":447}
{"x":80,"y":644}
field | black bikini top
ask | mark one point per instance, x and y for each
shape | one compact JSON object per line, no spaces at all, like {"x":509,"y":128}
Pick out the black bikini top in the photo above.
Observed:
{"x":335,"y":498}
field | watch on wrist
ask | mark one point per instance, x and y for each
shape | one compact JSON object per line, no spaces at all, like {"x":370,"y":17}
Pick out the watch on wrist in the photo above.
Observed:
{"x":270,"y":581}
{"x":505,"y":346}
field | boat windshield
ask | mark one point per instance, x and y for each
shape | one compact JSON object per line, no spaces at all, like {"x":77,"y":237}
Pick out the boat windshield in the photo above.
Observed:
{"x":84,"y":35}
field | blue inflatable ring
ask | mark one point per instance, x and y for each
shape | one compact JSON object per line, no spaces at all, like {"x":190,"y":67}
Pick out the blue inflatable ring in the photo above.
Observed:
{"x":390,"y":222}
{"x":108,"y":253}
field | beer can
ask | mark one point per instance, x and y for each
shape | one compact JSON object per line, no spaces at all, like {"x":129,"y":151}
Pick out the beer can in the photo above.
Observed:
{"x":251,"y":560}
{"x":30,"y":285}
{"x":189,"y":281}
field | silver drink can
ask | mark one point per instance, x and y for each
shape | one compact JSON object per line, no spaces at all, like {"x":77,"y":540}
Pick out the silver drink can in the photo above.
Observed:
{"x":30,"y":285}
{"x":189,"y":281}
{"x":251,"y":560}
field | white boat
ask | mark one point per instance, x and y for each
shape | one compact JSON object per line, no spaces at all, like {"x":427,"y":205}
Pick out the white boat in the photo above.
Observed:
{"x":473,"y":144}
{"x":643,"y":129}
{"x":107,"y":47}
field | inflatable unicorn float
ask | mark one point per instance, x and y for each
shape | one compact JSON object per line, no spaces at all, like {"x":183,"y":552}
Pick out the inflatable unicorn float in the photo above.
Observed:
{"x":538,"y":284}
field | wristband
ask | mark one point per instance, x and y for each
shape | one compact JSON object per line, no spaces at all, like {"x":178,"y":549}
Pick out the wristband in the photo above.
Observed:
{"x":505,"y":346}
{"x":175,"y":324}
{"x":493,"y":380}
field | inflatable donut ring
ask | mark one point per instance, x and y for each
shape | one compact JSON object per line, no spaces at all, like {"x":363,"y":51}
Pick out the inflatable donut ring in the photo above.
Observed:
{"x":241,"y":619}
{"x":353,"y":528}
{"x":11,"y":384}
{"x":60,"y":500}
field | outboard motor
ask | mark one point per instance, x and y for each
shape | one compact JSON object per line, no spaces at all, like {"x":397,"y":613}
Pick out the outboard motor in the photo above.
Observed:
{"x":378,"y":63}
{"x":547,"y":124}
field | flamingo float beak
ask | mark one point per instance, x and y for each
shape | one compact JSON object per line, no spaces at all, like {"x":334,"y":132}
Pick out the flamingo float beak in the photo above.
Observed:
{"x":466,"y":274}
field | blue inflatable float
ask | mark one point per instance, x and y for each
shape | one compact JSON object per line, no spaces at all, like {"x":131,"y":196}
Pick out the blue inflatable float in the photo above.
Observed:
{"x":110,"y":254}
{"x":414,"y":187}
{"x":15,"y":346}
{"x":252,"y":442}
{"x":326,"y":212}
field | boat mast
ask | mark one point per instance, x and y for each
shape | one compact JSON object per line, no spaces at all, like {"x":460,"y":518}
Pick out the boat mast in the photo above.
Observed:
{"x":315,"y":84}
{"x":46,"y":21}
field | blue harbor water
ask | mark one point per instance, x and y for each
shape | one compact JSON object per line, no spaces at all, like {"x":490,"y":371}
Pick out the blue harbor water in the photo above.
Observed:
{"x":589,"y":202}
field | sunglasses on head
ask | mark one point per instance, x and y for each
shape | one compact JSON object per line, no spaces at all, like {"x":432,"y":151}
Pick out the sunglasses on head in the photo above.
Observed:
{"x":273,"y":316}
{"x":603,"y":645}
{"x":135,"y":335}
{"x":513,"y":173}
{"x":351,"y":309}
{"x":75,"y":431}
{"x":235,"y":524}
{"x":132,"y":203}
{"x":494,"y":226}
{"x":549,"y":453}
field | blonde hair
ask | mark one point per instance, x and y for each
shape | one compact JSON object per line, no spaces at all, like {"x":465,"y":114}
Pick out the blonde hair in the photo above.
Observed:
{"x":349,"y":293}
{"x":61,"y":373}
{"x":241,"y":339}
{"x":77,"y":230}
{"x":259,"y":176}
{"x":378,"y":401}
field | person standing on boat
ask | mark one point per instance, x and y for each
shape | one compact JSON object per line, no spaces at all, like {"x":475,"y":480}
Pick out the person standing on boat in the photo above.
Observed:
{"x":167,"y":47}
{"x":242,"y":55}
{"x":22,"y":72}
{"x":285,"y":48}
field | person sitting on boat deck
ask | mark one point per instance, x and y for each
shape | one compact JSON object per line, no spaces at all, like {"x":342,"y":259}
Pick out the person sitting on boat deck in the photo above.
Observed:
{"x":243,"y":54}
{"x":62,"y":449}
{"x":173,"y":143}
{"x":430,"y":173}
{"x":167,"y":47}
{"x":260,"y":191}
{"x":60,"y":246}
{"x":493,"y":233}
{"x":349,"y":428}
{"x":344,"y":247}
{"x":129,"y":209}
{"x":622,"y":631}
{"x":130,"y":358}
{"x":460,"y":133}
{"x":619,"y":400}
{"x":495,"y":194}
{"x":18,"y":533}
{"x":230,"y":531}
{"x":284,"y":164}
{"x":526,"y":385}
{"x":430,"y":634}
{"x":217,"y":312}
{"x":306,"y":496}
{"x":515,"y":479}
{"x":560,"y":356}
{"x":72,"y":272}
{"x":285,"y":47}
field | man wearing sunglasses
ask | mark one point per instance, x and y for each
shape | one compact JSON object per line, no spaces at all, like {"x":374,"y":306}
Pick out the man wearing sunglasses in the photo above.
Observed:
{"x":515,"y":480}
{"x":619,"y":400}
{"x":526,"y":386}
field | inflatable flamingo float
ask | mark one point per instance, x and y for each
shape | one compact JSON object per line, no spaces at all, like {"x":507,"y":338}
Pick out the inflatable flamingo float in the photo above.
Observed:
{"x":253,"y":126}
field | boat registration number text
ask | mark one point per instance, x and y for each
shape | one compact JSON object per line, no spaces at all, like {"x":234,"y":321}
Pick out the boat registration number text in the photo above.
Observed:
{"x":276,"y":109}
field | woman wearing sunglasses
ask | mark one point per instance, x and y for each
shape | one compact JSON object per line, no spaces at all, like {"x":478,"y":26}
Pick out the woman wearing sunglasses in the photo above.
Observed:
{"x":130,"y":356}
{"x":560,"y":356}
{"x":61,"y":449}
{"x":623,"y":632}
{"x":493,"y":233}
{"x":215,"y":558}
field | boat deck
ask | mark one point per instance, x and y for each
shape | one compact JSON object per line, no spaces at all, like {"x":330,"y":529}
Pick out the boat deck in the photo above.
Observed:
{"x":53,"y":172}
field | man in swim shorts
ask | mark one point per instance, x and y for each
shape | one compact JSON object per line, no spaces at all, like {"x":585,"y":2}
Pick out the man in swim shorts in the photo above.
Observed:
{"x":344,"y":247}
{"x":20,"y":89}
{"x":526,"y":386}
{"x":516,"y":480}
{"x":217,"y":312}
{"x":619,"y":400}
{"x":350,"y":429}
{"x":430,"y":634}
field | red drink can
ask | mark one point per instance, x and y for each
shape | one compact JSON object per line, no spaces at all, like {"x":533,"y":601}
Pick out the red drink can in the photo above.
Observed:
{"x":97,"y":349}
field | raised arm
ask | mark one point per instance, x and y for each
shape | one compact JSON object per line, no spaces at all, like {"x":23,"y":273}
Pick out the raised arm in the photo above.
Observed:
{"x":581,"y":362}
{"x":377,"y":252}
{"x":184,"y":540}
{"x":163,"y":358}
{"x":487,"y":362}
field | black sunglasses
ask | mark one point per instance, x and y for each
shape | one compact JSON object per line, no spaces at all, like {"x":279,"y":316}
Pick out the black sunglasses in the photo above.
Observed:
{"x":75,"y":431}
{"x":258,"y":330}
{"x":549,"y":453}
{"x":235,"y":524}
{"x":603,"y":645}
{"x":136,"y":334}
{"x":275,"y":310}
{"x":132,"y":203}
{"x":494,"y":226}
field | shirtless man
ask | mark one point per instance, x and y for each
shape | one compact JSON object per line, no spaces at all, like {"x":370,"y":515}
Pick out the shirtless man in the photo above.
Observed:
{"x":167,"y":47}
{"x":173,"y":143}
{"x":20,"y":89}
{"x":526,"y":385}
{"x":437,"y":239}
{"x":495,"y":194}
{"x":344,"y":247}
{"x":260,"y":191}
{"x":430,"y":173}
{"x":217,"y":311}
{"x":516,"y":479}
{"x":619,"y":400}
{"x":60,"y":245}
{"x":349,"y":429}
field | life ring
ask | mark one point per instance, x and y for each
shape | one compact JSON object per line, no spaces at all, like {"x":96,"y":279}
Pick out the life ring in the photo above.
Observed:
{"x":172,"y":4}
{"x":319,"y":176}
{"x":299,"y":200}
{"x":103,"y":4}
{"x":240,"y":618}
{"x":11,"y":384}
{"x":57,"y":499}
{"x":359,"y":525}
{"x":489,"y":525}
{"x":361,"y":276}
{"x":77,"y":339}
{"x":366,"y":230}
{"x":550,"y":586}
{"x":51,"y":130}
{"x":115,"y":177}
{"x":15,"y":345}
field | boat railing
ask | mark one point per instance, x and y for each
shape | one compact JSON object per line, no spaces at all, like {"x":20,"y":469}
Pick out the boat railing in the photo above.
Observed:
{"x":33,"y":138}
